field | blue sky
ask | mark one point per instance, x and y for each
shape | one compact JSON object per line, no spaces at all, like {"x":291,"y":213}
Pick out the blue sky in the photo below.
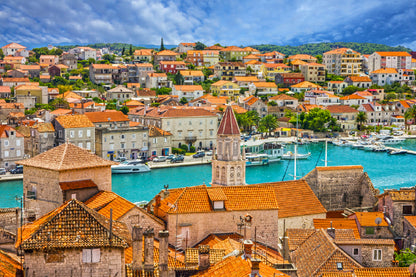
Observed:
{"x":240,"y":22}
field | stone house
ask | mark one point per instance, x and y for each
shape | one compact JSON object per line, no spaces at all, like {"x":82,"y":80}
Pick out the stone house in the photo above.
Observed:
{"x":190,"y":92}
{"x":376,"y":113}
{"x":263,"y":88}
{"x":225,"y":88}
{"x":165,"y":55}
{"x":49,"y":59}
{"x":74,"y":240}
{"x":354,"y":99}
{"x":11,"y":147}
{"x":358,"y":81}
{"x":13,"y":82}
{"x":396,"y":60}
{"x":372,"y":225}
{"x":253,"y":103}
{"x":60,"y":174}
{"x":346,"y":116}
{"x":245,"y":81}
{"x":395,"y":204}
{"x":102,"y":73}
{"x":143,"y":55}
{"x":343,"y":61}
{"x":7,"y":108}
{"x":12,"y":49}
{"x":76,"y":129}
{"x":192,"y":76}
{"x":32,"y":69}
{"x":321,"y":98}
{"x":157,"y":80}
{"x":5,"y":92}
{"x":32,"y":89}
{"x":228,"y":70}
{"x":337,"y":86}
{"x":409,"y":231}
{"x":270,"y":70}
{"x":42,"y":138}
{"x":190,"y":126}
{"x":191,"y":211}
{"x":304,"y":86}
{"x":70,"y":60}
{"x":120,"y":93}
{"x":116,"y":136}
{"x":160,"y":141}
{"x":313,"y":72}
{"x":339,"y":187}
{"x":284,"y":100}
{"x":184,"y":47}
{"x":234,"y":53}
{"x":57,"y":70}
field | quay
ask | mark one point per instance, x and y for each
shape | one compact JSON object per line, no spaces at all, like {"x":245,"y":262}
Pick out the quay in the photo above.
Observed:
{"x":10,"y":177}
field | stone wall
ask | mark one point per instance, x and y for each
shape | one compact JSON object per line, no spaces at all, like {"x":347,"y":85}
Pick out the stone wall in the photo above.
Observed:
{"x":409,"y":233}
{"x":387,"y":252}
{"x":381,"y":232}
{"x":297,"y":222}
{"x":69,"y":263}
{"x":193,"y":227}
{"x":143,"y":219}
{"x":342,"y":187}
{"x":101,"y":176}
{"x":10,"y":219}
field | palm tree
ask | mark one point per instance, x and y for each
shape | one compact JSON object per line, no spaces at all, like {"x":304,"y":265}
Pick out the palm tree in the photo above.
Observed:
{"x":410,"y":113}
{"x":361,"y":118}
{"x":269,"y":123}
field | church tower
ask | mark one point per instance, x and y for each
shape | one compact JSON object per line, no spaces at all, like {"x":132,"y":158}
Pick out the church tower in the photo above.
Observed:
{"x":228,"y":165}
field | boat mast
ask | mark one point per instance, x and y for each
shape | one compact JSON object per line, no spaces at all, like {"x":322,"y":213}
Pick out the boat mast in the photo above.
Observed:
{"x":326,"y":153}
{"x":296,"y":148}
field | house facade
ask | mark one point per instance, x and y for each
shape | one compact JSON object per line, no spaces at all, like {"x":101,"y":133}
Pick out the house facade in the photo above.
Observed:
{"x":11,"y":147}
{"x":343,"y":62}
{"x":397,"y":60}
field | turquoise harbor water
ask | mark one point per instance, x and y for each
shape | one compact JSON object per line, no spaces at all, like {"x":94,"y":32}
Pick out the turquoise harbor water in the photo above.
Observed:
{"x":385,"y":171}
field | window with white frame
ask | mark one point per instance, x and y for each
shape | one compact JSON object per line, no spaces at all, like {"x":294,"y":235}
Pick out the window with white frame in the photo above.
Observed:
{"x":18,"y":153}
{"x":88,"y":133}
{"x":122,"y":136}
{"x":154,"y":140}
{"x":89,"y":145}
{"x":6,"y":143}
{"x":144,"y":135}
{"x":18,"y":142}
{"x":377,"y":255}
{"x":80,"y":133}
{"x":6,"y":154}
{"x":111,"y":146}
{"x":122,"y":145}
{"x":133,"y":136}
{"x":80,"y":144}
{"x":71,"y":134}
{"x":166,"y":139}
{"x":91,"y":255}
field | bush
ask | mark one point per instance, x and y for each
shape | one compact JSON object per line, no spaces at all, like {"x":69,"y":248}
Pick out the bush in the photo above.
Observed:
{"x":184,"y":147}
{"x":192,"y":149}
{"x":178,"y":151}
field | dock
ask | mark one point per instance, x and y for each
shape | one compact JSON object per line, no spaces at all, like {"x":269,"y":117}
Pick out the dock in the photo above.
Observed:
{"x":167,"y":164}
{"x":412,"y":152}
{"x":10,"y":177}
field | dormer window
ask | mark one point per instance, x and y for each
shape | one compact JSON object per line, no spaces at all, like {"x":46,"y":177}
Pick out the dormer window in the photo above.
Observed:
{"x":218,"y":205}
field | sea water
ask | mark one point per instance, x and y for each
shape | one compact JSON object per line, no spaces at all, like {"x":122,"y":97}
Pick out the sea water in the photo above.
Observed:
{"x":385,"y":171}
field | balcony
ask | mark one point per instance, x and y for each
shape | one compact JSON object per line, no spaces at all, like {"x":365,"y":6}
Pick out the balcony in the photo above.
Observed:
{"x":190,"y":139}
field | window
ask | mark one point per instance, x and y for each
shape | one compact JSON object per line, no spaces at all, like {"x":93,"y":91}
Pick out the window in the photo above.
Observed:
{"x":6,"y":143}
{"x":190,"y":122}
{"x":122,"y":145}
{"x":91,"y":255}
{"x":111,"y":146}
{"x":80,"y":144}
{"x":166,"y":140}
{"x":71,"y":134}
{"x":355,"y":251}
{"x":18,"y":142}
{"x":133,"y":136}
{"x":122,"y":136}
{"x":89,"y":145}
{"x":144,"y":135}
{"x":144,"y":144}
{"x":407,"y":210}
{"x":88,"y":133}
{"x":111,"y":137}
{"x":60,"y":133}
{"x":340,"y":266}
{"x":6,"y":154}
{"x":133,"y":145}
{"x":377,"y":255}
{"x":80,"y":133}
{"x":18,"y":153}
{"x":369,"y":230}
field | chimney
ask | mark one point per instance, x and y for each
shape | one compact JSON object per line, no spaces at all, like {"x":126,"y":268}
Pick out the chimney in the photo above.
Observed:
{"x":203,"y":257}
{"x":163,"y":253}
{"x":255,"y":268}
{"x":157,"y":205}
{"x":137,"y":238}
{"x":331,"y":231}
{"x":148,"y":251}
{"x":247,"y":247}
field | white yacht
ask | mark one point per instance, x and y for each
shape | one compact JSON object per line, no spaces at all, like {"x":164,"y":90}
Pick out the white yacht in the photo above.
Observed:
{"x":257,"y":159}
{"x":391,"y":140}
{"x":269,"y":147}
{"x":135,"y":166}
{"x":291,"y":156}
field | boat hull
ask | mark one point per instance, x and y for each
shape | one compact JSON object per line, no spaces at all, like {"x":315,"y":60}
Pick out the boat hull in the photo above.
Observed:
{"x":126,"y":170}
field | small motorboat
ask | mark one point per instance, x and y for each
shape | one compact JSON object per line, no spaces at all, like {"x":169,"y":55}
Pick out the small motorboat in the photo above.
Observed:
{"x":257,"y":159}
{"x":397,"y":151}
{"x":134,"y":166}
{"x":291,"y":156}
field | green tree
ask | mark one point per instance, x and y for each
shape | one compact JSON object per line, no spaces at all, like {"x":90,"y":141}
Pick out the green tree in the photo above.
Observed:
{"x":269,"y":123}
{"x":163,"y":91}
{"x":200,"y":46}
{"x":1,"y":54}
{"x":351,"y":89}
{"x":162,"y":47}
{"x":111,"y":106}
{"x":178,"y":78}
{"x":272,"y":103}
{"x":124,"y":110}
{"x":317,"y":120}
{"x":410,"y":113}
{"x":109,"y":58}
{"x":391,"y":96}
{"x":59,"y":103}
{"x":183,"y":101}
{"x":122,"y":51}
{"x":406,"y":257}
{"x":131,"y":50}
{"x":361,"y":119}
{"x":319,"y":58}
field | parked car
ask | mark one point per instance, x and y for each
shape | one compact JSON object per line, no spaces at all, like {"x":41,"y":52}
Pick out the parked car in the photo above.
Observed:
{"x":2,"y":171}
{"x":199,"y":154}
{"x":208,"y":153}
{"x":177,"y":159}
{"x":160,"y":159}
{"x":17,"y":170}
{"x":170,"y":157}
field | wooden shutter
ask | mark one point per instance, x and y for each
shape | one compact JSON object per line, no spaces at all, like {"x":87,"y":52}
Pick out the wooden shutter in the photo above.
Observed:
{"x":95,"y":255}
{"x":86,"y":255}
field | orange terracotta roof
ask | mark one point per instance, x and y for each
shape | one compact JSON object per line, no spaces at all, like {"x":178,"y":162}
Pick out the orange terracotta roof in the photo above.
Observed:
{"x":172,"y":63}
{"x":338,"y":274}
{"x":341,"y":109}
{"x":404,"y":104}
{"x":340,"y":51}
{"x":382,"y":272}
{"x":405,"y":194}
{"x":411,"y":220}
{"x":297,"y":194}
{"x":143,"y":52}
{"x":365,"y":242}
{"x":44,"y":127}
{"x":297,"y":236}
{"x":12,"y":105}
{"x":250,"y":49}
{"x":5,"y":89}
{"x":337,"y":223}
{"x":30,"y":67}
{"x":385,"y":71}
{"x":232,"y":48}
{"x":105,"y":116}
{"x":74,"y":121}
{"x":351,"y":97}
{"x":194,"y":73}
{"x":264,"y":85}
{"x":251,"y":56}
{"x":83,"y":227}
{"x":66,"y":157}
{"x":239,"y":198}
{"x":157,"y":132}
{"x":69,"y":94}
{"x":282,"y":97}
{"x":302,"y":57}
{"x":178,"y":112}
{"x":298,"y":62}
{"x":133,"y":103}
{"x":246,"y":79}
{"x":305,"y":84}
{"x":359,"y":78}
{"x":397,"y":54}
{"x":27,"y":87}
{"x":9,"y":265}
{"x":237,"y":267}
{"x":336,"y":82}
{"x":188,"y":88}
{"x":369,"y":218}
{"x":6,"y":129}
{"x":104,"y":201}
{"x":167,"y":53}
{"x":276,"y":65}
{"x":16,"y":80}
{"x":251,"y":100}
{"x":153,"y":74}
{"x":103,"y":66}
{"x":14,"y":45}
{"x":61,"y":112}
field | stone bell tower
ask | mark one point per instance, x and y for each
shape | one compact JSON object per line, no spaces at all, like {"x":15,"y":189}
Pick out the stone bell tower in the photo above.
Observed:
{"x":228,"y":165}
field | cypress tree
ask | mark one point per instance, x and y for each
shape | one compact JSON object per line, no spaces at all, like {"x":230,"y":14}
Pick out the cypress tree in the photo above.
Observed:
{"x":162,"y":47}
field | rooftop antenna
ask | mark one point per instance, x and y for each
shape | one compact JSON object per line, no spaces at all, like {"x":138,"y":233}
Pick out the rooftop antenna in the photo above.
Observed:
{"x":378,"y":221}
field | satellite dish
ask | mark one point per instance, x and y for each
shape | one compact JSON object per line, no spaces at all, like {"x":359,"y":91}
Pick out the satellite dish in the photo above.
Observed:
{"x":378,"y":220}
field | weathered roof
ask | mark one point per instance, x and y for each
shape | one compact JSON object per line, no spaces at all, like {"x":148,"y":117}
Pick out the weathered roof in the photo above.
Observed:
{"x":44,"y":127}
{"x":74,"y":121}
{"x":393,"y":53}
{"x":282,"y":97}
{"x":305,"y":84}
{"x":157,"y":132}
{"x":167,"y":53}
{"x":297,"y":236}
{"x":238,"y":198}
{"x":302,"y":57}
{"x":120,"y":88}
{"x":228,"y":125}
{"x":337,"y":223}
{"x":406,"y":194}
{"x":411,"y":219}
{"x":9,"y":265}
{"x":340,"y":109}
{"x":360,"y":78}
{"x":66,"y":156}
{"x":290,"y":194}
{"x":80,"y":184}
{"x":384,"y":71}
{"x":106,"y":116}
{"x":72,"y":225}
{"x":6,"y":129}
{"x":382,"y":272}
{"x":336,"y":168}
{"x":14,"y":45}
{"x":341,"y":51}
